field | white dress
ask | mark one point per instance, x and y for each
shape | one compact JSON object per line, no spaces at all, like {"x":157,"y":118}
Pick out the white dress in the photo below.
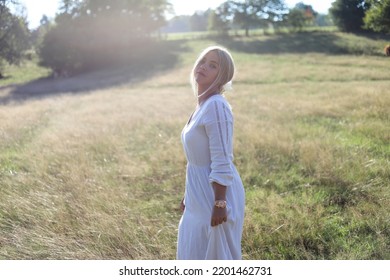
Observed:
{"x":207,"y":142}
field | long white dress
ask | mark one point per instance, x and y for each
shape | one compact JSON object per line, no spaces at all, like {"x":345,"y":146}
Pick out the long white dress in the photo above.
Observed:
{"x":208,"y":146}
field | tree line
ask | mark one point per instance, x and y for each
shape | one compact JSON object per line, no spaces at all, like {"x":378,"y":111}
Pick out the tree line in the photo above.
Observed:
{"x":86,"y":34}
{"x":233,"y":15}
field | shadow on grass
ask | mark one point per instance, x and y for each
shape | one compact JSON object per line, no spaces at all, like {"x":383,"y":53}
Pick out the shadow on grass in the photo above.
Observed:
{"x":155,"y":59}
{"x":295,"y":43}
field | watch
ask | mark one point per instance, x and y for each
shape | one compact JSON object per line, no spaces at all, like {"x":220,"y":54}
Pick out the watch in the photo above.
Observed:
{"x":220,"y":203}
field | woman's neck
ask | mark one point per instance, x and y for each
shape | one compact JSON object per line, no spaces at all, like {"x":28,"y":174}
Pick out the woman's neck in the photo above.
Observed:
{"x":205,"y":96}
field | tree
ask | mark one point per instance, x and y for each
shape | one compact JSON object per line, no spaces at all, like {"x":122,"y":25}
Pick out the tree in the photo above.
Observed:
{"x":13,"y":35}
{"x":348,"y":14}
{"x":253,"y":13}
{"x":377,"y":18}
{"x":199,"y":20}
{"x":309,"y":13}
{"x":93,"y":33}
{"x":296,"y":19}
{"x":221,"y":18}
{"x":324,"y":20}
{"x":178,"y":24}
{"x":301,"y":15}
{"x":38,"y":34}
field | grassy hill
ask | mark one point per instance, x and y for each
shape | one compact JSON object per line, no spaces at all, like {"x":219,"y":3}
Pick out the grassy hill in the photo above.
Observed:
{"x":91,"y":167}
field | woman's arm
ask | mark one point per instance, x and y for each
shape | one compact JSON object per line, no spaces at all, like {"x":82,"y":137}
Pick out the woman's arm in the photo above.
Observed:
{"x":218,"y":122}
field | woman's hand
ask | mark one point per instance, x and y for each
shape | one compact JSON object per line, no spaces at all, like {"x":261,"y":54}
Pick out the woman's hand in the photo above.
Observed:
{"x":218,"y":216}
{"x":182,"y":206}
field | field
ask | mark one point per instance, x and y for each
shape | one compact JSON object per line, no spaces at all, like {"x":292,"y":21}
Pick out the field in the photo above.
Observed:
{"x":91,"y":167}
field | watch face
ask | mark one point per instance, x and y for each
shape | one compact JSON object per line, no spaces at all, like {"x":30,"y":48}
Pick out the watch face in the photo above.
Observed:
{"x":220,"y":203}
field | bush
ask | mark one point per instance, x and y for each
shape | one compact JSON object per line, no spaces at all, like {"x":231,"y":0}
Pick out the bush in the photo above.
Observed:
{"x":348,"y":14}
{"x":377,"y":17}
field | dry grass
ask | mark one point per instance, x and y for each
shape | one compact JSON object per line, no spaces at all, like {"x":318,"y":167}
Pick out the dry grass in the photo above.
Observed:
{"x":68,"y":155}
{"x":98,"y":174}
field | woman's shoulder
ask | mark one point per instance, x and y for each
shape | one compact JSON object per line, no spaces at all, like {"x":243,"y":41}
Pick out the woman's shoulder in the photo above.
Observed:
{"x":217,"y":105}
{"x":217,"y":100}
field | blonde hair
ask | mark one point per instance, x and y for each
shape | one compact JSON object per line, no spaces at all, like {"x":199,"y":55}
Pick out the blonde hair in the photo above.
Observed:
{"x":225,"y":73}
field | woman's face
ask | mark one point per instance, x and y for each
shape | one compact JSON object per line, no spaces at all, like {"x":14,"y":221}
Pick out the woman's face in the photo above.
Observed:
{"x":207,"y":70}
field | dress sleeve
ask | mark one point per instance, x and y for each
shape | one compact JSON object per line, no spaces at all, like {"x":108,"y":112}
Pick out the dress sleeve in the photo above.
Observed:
{"x":219,"y":129}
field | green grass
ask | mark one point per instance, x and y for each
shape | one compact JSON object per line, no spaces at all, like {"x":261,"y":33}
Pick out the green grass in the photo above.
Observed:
{"x":28,"y":70}
{"x":98,"y":172}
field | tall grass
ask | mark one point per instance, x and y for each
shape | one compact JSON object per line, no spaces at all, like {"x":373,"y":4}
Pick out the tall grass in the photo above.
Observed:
{"x":99,"y":174}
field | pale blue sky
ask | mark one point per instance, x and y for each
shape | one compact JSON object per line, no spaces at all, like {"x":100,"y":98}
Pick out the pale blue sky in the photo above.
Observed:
{"x":37,"y":8}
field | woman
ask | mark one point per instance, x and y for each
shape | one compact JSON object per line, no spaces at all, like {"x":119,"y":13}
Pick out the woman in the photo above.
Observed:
{"x":214,"y":199}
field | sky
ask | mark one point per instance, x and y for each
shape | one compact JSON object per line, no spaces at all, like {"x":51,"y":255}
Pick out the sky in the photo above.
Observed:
{"x":37,"y":8}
